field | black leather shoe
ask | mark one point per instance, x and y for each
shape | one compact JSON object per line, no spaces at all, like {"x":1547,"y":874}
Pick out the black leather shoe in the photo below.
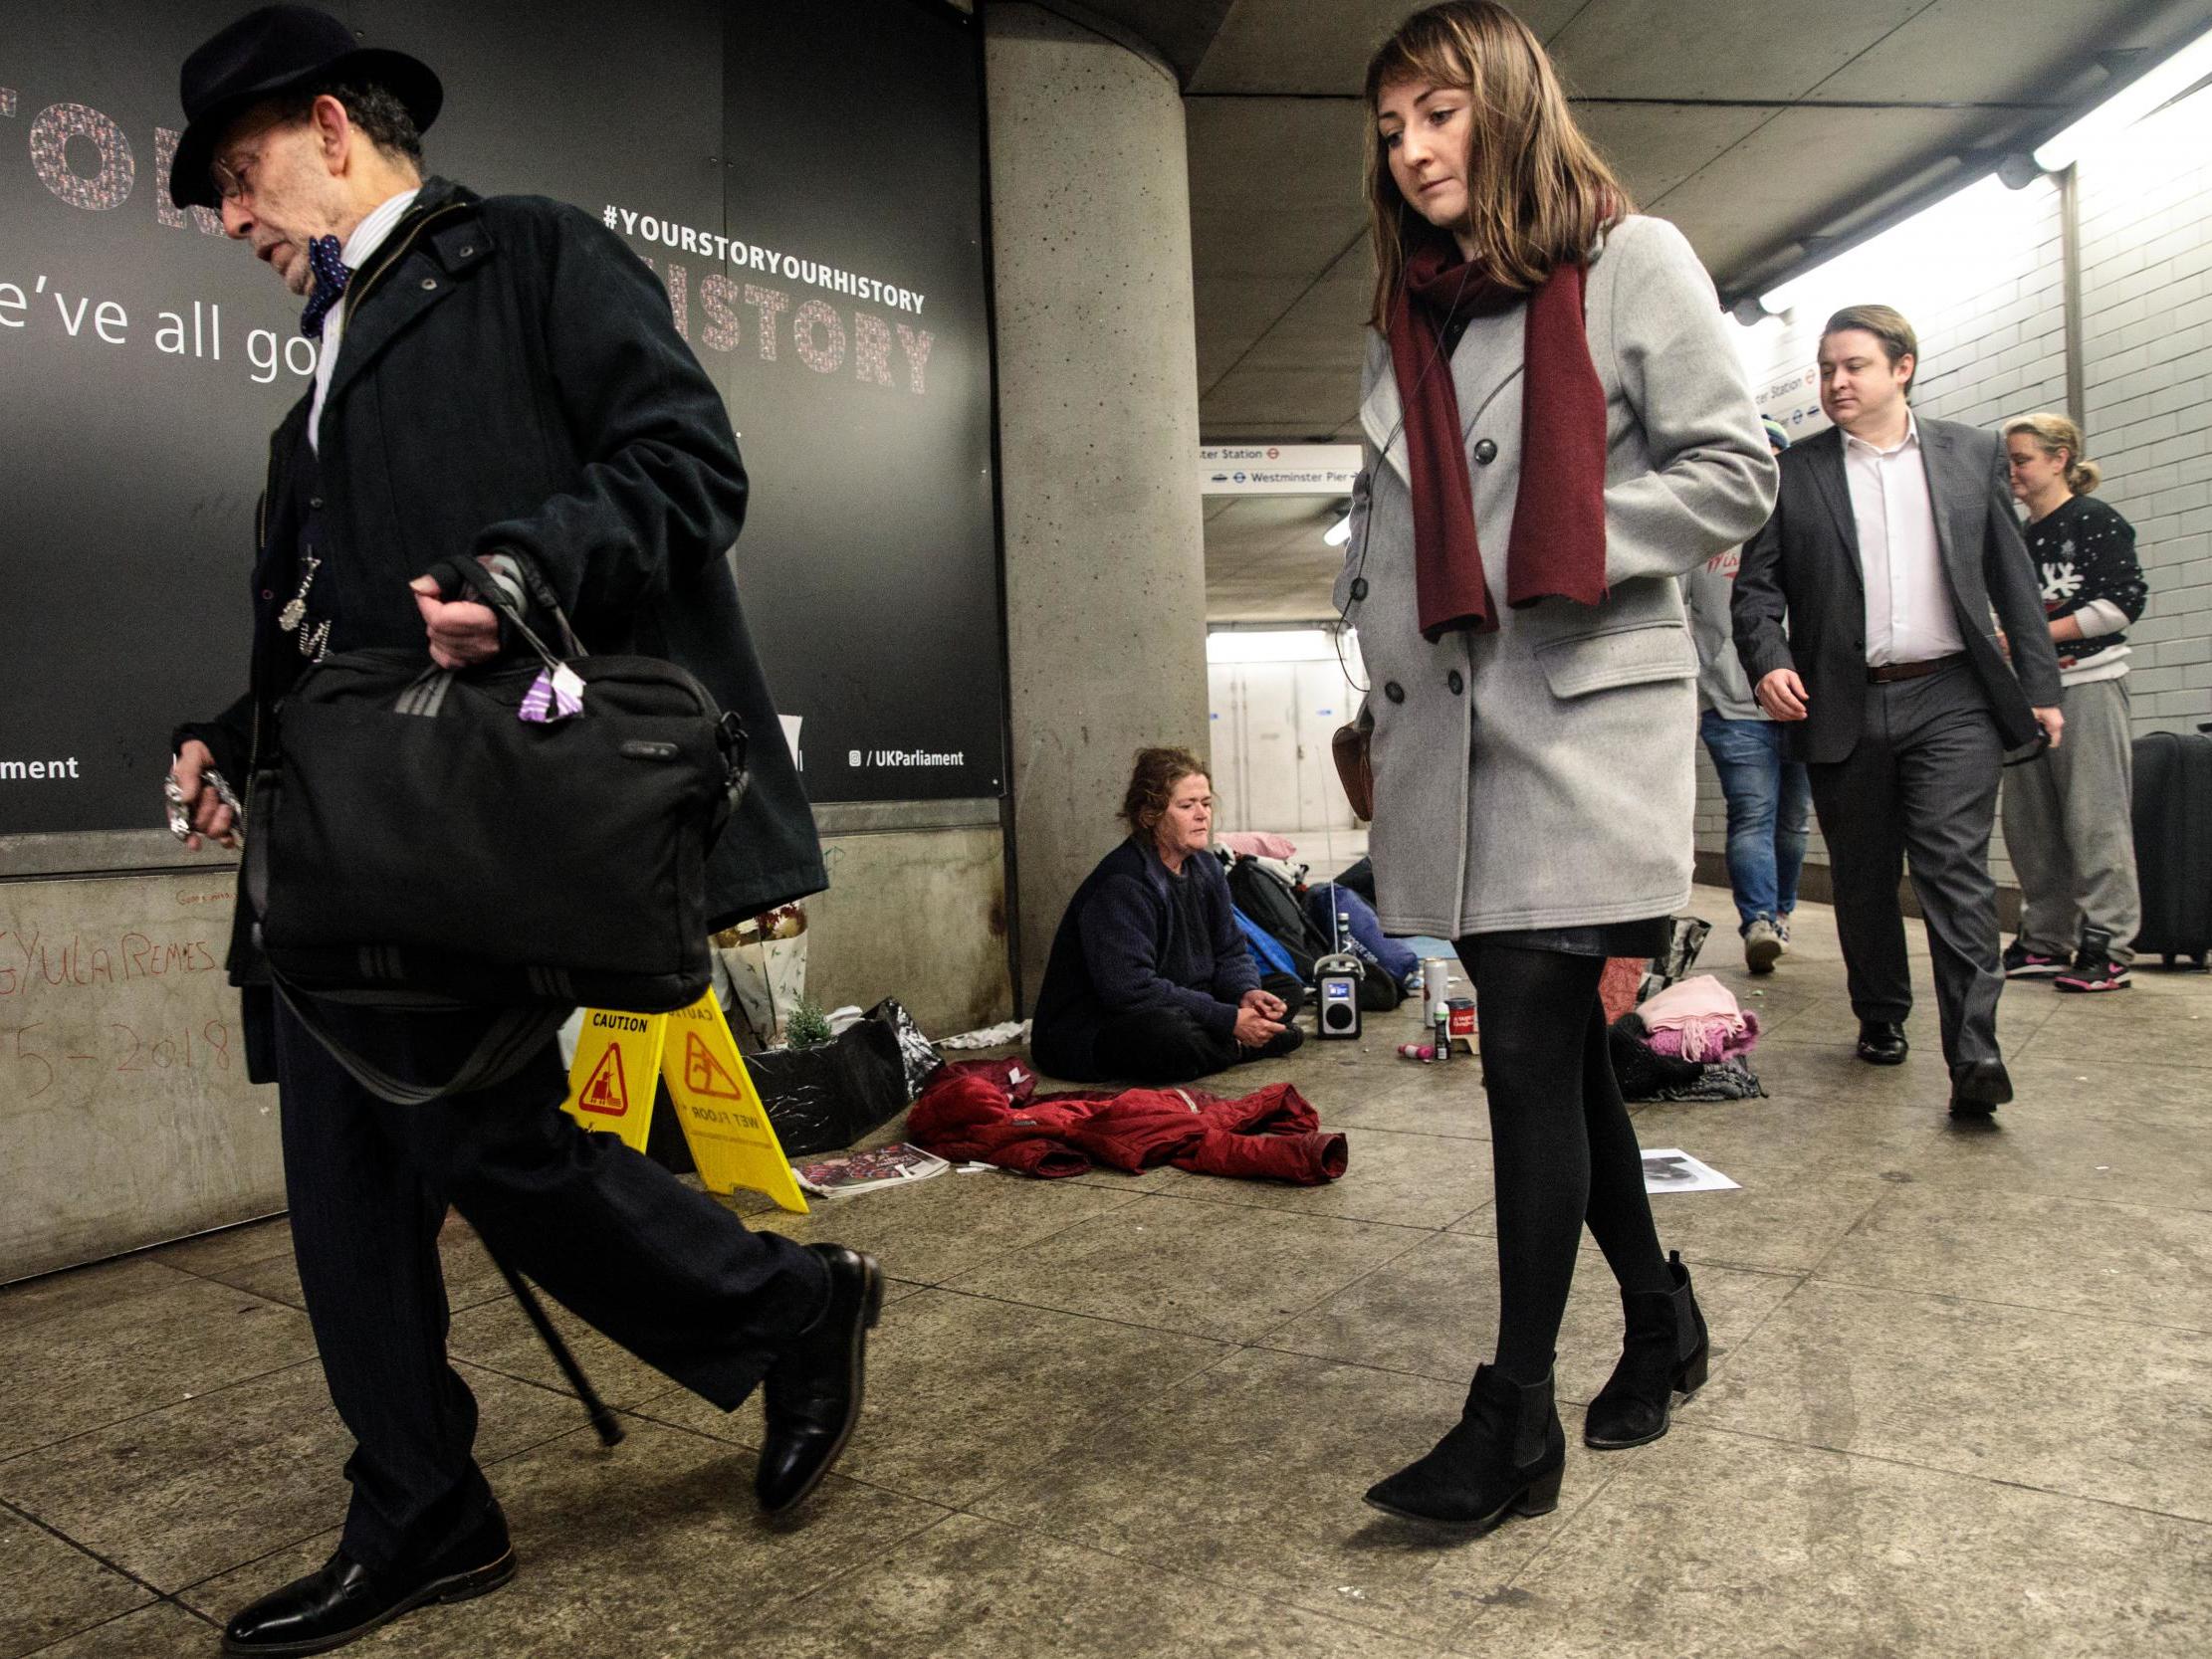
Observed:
{"x":1881,"y":1043}
{"x":811,"y":1398}
{"x":1979,"y":1088}
{"x":343,"y":1599}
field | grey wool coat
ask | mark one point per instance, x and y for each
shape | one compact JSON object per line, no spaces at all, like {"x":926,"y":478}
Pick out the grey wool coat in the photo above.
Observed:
{"x":1544,"y":775}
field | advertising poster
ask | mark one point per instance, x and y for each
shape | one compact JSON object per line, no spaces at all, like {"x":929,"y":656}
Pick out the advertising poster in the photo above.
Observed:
{"x":804,"y":176}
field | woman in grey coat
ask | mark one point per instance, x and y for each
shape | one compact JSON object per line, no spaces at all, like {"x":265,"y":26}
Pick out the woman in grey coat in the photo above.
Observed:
{"x":1557,"y":431}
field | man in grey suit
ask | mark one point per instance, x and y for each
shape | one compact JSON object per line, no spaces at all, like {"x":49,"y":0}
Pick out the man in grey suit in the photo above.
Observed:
{"x":1891,"y":543}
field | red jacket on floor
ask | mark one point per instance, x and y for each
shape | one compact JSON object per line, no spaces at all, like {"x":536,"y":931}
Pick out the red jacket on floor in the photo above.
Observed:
{"x":988,"y":1112}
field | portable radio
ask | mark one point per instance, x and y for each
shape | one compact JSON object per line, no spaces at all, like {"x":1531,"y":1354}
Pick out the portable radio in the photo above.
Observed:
{"x":1337,"y":977}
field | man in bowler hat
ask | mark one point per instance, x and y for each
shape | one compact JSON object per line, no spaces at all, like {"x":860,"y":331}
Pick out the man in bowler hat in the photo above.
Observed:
{"x":499,"y":380}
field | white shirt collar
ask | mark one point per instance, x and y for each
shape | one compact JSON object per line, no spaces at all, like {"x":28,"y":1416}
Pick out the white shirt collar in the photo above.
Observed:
{"x":369,"y":234}
{"x":1910,"y":438}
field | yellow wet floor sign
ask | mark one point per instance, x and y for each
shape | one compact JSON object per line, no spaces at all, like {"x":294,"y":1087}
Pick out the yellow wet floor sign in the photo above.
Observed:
{"x":611,"y":1086}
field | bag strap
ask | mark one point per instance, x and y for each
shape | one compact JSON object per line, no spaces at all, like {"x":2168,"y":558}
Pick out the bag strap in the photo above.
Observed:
{"x":509,"y":1041}
{"x":467,"y":575}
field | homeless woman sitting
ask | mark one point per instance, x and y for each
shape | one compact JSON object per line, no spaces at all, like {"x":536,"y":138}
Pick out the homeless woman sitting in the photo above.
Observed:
{"x":1150,"y":979}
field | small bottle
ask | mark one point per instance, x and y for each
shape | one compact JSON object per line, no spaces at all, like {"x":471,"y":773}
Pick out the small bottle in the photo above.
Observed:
{"x":1444,"y":1034}
{"x":1416,"y":1051}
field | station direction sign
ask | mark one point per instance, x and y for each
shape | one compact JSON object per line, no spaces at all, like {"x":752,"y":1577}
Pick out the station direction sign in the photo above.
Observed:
{"x":1277,"y":468}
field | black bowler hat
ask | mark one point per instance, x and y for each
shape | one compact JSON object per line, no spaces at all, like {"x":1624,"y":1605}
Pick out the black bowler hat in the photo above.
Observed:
{"x":272,"y":51}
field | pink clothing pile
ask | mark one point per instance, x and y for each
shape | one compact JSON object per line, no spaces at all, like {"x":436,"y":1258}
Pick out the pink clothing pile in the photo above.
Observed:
{"x":1698,"y":1019}
{"x":1258,"y":844}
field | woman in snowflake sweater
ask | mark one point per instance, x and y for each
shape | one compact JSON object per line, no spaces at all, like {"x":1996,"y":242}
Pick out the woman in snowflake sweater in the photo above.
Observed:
{"x":2069,"y":824}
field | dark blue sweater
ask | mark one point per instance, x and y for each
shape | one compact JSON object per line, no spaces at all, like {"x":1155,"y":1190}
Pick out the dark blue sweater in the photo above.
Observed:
{"x":1136,"y":937}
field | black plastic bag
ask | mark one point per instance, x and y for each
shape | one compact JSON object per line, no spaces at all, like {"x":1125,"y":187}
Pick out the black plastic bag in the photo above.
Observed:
{"x":820,"y":1098}
{"x":823,"y":1099}
{"x":920,"y":1060}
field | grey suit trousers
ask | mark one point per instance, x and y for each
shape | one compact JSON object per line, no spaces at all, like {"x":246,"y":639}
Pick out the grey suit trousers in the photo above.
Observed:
{"x":1920,"y":788}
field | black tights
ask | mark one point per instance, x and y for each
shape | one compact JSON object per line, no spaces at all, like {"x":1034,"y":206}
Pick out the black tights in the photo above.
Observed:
{"x":1560,"y":1137}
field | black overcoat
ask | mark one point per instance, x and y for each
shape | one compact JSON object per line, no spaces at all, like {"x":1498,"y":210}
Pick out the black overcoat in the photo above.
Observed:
{"x":510,"y":378}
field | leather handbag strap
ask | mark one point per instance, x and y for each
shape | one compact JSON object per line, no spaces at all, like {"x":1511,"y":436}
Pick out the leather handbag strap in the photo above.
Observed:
{"x":1351,"y":749}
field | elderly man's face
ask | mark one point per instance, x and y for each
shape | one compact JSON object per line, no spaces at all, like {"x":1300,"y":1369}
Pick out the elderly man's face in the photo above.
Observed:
{"x":279,"y":191}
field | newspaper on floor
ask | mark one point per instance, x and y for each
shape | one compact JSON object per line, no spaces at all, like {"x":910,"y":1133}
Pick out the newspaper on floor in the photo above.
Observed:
{"x":897,"y":1164}
{"x":1671,"y":1169}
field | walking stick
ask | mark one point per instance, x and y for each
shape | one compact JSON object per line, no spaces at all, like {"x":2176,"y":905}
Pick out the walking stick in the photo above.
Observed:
{"x":603,"y":1420}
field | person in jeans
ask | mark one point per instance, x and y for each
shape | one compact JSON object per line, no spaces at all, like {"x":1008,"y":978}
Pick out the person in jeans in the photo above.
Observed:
{"x":1770,"y":798}
{"x":2067,"y":821}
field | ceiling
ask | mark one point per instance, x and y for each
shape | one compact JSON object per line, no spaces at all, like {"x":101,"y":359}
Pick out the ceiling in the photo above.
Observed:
{"x":1759,"y":126}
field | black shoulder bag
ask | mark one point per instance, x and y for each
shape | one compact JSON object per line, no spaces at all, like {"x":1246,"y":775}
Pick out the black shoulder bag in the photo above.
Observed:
{"x":413,"y":843}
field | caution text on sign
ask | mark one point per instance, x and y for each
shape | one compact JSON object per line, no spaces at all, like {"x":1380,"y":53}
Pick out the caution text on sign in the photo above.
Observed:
{"x":617,"y":1072}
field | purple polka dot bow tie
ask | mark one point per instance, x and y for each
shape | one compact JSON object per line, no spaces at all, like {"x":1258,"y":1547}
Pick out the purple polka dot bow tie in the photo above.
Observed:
{"x":331,"y":277}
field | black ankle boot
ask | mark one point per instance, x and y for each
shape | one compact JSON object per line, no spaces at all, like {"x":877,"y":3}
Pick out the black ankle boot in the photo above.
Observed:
{"x":1665,"y":1355}
{"x":1502,"y":1457}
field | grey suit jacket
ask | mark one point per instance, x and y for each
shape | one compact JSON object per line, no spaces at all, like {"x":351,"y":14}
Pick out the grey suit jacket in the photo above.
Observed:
{"x":1544,"y":775}
{"x":1804,"y":567}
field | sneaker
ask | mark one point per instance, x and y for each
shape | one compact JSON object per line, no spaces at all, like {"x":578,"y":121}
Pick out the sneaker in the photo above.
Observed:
{"x":1782,"y":929}
{"x":2094,"y":970}
{"x":1762,"y":946}
{"x":2023,"y":964}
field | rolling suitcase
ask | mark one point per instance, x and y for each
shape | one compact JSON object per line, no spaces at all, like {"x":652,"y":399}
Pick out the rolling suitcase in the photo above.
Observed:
{"x":2174,"y":842}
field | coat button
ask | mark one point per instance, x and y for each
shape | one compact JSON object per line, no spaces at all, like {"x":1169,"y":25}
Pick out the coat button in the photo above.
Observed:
{"x":429,"y":282}
{"x":1455,"y":681}
{"x":1359,"y":587}
{"x":467,"y":251}
{"x":1486,"y":452}
{"x":1394,"y":691}
{"x":268,"y":593}
{"x":316,"y":501}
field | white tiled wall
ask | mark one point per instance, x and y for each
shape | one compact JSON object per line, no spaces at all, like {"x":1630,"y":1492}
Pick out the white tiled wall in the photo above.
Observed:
{"x":2146,"y":302}
{"x":1982,"y":283}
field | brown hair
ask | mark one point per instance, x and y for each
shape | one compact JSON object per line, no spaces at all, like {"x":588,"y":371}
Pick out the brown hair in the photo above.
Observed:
{"x":1539,"y":195}
{"x":1152,"y":784}
{"x":2054,"y":432}
{"x":1887,"y":324}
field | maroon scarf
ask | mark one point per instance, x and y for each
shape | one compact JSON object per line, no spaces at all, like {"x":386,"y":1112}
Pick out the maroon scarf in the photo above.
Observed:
{"x":1558,"y":543}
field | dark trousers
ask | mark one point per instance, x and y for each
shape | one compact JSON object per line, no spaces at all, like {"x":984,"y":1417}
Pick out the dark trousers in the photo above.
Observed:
{"x":1920,"y":792}
{"x":663,"y":1270}
{"x":1169,"y":1045}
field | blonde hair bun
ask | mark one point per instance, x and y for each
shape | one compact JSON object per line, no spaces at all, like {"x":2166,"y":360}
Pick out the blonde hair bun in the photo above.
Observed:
{"x":2053,"y":433}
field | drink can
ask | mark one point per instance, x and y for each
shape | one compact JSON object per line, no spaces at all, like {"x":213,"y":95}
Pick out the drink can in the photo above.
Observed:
{"x":1436,"y":988}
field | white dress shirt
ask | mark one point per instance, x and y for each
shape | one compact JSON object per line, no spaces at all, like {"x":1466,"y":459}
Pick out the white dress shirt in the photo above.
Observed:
{"x":367,"y":237}
{"x":1910,"y":617}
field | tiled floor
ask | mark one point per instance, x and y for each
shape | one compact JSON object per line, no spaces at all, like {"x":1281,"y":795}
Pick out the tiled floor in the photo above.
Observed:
{"x":1962,"y":1400}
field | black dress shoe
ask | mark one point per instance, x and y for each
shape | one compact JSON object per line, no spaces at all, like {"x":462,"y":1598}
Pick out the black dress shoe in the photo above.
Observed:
{"x":811,"y":1398}
{"x":1881,"y":1043}
{"x":1979,"y":1088}
{"x":344,"y":1600}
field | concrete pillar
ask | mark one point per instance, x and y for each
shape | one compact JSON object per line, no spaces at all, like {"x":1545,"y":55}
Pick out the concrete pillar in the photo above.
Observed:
{"x":1098,"y":434}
